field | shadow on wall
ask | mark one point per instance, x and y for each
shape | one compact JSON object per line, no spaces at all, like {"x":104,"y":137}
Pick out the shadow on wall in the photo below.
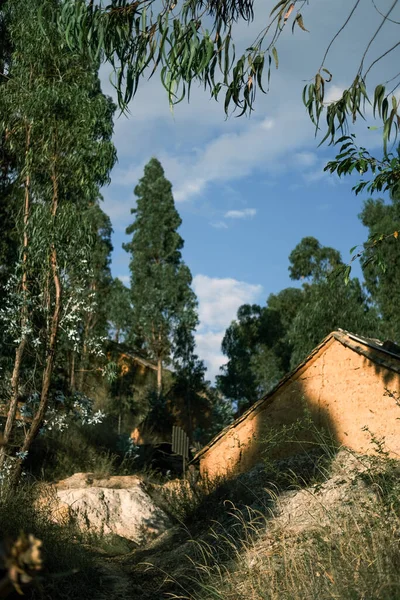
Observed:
{"x":293,"y":423}
{"x":381,"y":363}
{"x":343,"y":391}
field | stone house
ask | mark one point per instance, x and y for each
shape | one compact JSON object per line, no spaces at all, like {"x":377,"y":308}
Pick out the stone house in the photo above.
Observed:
{"x":350,"y":386}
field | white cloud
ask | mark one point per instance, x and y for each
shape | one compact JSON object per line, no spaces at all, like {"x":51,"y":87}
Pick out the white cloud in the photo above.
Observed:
{"x":267,"y":124}
{"x":219,"y":300}
{"x":219,"y":225}
{"x":209,"y":349}
{"x":241,"y":214}
{"x":305,"y":159}
{"x":222,"y":159}
{"x":126,"y":280}
{"x":333,"y":94}
{"x":189,"y":189}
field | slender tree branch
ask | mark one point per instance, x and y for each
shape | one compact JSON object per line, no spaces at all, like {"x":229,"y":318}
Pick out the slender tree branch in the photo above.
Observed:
{"x":380,"y":58}
{"x":20,"y":351}
{"x":382,"y":14}
{"x":375,"y":35}
{"x":339,"y":32}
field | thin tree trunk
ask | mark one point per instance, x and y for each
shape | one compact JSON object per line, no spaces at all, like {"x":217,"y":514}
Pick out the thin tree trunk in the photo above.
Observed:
{"x":37,"y":421}
{"x":19,"y":353}
{"x":83,"y":362}
{"x":72,"y":373}
{"x":159,"y":376}
{"x":189,"y":412}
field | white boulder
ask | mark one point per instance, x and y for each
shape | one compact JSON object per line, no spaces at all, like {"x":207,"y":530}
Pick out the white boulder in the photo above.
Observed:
{"x":116,"y":505}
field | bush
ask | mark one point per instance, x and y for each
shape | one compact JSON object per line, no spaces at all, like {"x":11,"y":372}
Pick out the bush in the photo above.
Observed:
{"x":96,"y":449}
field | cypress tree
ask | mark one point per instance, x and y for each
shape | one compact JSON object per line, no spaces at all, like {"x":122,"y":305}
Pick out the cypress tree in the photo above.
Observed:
{"x":160,"y":281}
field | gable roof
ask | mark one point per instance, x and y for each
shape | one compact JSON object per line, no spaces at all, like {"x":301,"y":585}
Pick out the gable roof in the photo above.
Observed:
{"x":134,"y":354}
{"x":388,"y":356}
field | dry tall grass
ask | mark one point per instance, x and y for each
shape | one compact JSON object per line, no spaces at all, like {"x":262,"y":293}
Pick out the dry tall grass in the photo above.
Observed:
{"x":348,"y":550}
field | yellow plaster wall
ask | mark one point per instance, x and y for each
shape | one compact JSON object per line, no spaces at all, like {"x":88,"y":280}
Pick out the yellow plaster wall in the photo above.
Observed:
{"x":343,"y":391}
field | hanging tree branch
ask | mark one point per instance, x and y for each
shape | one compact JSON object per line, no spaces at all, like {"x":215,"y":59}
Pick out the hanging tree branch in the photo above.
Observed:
{"x":193,"y":41}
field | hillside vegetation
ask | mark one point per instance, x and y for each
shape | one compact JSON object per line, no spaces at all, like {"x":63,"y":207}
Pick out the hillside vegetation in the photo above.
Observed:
{"x":316,"y":526}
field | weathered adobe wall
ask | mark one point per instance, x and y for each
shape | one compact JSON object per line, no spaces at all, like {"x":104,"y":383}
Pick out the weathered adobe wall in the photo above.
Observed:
{"x":342,"y":390}
{"x":354,"y":396}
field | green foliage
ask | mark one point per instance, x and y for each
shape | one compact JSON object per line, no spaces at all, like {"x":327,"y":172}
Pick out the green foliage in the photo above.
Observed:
{"x":54,"y":121}
{"x":237,"y":381}
{"x":119,"y":310}
{"x":164,"y":305}
{"x":96,"y":449}
{"x":381,"y":262}
{"x":385,"y":172}
{"x":258,"y":348}
{"x":79,"y":449}
{"x":222,"y":415}
{"x":189,"y":375}
{"x":265,"y":343}
{"x":326,"y":307}
{"x":158,"y":418}
{"x":329,"y":302}
{"x":194,"y":42}
{"x":311,"y":261}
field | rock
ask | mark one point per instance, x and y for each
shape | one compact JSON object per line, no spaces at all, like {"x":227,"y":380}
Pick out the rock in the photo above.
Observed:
{"x":114,"y":505}
{"x":302,"y":509}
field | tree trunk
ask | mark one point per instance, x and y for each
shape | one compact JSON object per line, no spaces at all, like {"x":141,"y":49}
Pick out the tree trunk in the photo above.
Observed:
{"x":189,"y":413}
{"x":37,"y":420}
{"x":84,"y":357}
{"x":159,"y":376}
{"x":19,"y":353}
{"x":72,"y":373}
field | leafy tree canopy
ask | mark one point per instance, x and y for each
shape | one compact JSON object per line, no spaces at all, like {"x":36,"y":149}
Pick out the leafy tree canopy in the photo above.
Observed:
{"x":329,"y":302}
{"x":310,"y":260}
{"x":265,"y":343}
{"x":258,"y":348}
{"x":55,"y":130}
{"x":119,"y":310}
{"x":164,"y":305}
{"x":383,"y":284}
{"x":193,"y":41}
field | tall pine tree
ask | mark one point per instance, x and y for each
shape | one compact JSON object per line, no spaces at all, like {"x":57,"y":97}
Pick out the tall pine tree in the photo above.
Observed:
{"x":160,"y":281}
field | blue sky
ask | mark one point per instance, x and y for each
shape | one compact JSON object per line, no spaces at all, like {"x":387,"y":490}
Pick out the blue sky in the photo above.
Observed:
{"x":249,"y":189}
